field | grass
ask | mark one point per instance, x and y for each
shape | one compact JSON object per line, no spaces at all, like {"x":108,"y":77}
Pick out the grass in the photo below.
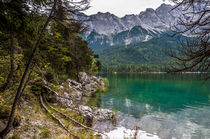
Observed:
{"x":45,"y":133}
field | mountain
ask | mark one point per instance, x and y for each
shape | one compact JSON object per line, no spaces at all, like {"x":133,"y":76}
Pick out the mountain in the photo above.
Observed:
{"x":133,"y":39}
{"x":106,"y":29}
{"x":107,"y":23}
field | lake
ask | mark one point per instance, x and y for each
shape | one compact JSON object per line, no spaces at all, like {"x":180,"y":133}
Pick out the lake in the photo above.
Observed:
{"x":173,"y":106}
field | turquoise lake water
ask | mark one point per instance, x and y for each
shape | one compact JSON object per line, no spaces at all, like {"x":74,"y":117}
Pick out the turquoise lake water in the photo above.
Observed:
{"x":171,"y":106}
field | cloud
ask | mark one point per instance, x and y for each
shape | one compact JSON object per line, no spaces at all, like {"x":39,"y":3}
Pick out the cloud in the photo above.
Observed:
{"x":123,"y":7}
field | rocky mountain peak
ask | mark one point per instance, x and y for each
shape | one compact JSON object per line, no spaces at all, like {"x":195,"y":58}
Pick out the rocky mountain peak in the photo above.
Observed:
{"x":108,"y":23}
{"x":150,"y":10}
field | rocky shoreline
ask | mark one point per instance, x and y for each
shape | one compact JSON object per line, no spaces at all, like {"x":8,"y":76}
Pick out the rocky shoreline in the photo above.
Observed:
{"x":74,"y":96}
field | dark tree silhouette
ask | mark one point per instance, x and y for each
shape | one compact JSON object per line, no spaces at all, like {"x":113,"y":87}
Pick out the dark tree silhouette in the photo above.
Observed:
{"x":12,"y":65}
{"x":58,"y":10}
{"x":193,"y":53}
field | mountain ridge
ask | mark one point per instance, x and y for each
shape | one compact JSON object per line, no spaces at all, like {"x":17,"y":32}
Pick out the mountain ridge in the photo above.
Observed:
{"x":108,"y":23}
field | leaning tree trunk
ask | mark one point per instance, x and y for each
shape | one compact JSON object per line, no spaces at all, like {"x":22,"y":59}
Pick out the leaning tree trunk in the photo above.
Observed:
{"x":12,"y":66}
{"x":19,"y":91}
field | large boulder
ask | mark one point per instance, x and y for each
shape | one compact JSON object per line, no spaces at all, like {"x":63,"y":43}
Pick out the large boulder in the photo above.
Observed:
{"x":87,"y":113}
{"x":85,"y":110}
{"x":103,"y":114}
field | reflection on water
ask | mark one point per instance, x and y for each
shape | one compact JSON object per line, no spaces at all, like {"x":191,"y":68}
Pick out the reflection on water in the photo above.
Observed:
{"x":171,"y":106}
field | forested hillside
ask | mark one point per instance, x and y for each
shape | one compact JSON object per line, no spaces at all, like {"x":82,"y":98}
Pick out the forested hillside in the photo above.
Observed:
{"x":39,"y":45}
{"x":146,"y":56}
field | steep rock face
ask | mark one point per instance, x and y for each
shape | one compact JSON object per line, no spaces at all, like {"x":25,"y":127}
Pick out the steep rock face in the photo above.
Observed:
{"x":150,"y":18}
{"x":165,"y":14}
{"x":135,"y":35}
{"x":107,"y":23}
{"x":129,"y":21}
{"x":104,"y":26}
{"x":161,"y":18}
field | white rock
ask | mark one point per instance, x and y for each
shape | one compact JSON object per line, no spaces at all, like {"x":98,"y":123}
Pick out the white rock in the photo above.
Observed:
{"x":86,"y":111}
{"x":103,"y":114}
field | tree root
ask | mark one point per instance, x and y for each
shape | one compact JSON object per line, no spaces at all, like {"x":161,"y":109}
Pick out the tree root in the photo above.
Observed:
{"x":64,"y":115}
{"x":56,"y":119}
{"x":80,"y":124}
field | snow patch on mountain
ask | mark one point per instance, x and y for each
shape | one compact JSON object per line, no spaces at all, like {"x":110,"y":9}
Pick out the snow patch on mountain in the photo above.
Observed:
{"x":147,"y":38}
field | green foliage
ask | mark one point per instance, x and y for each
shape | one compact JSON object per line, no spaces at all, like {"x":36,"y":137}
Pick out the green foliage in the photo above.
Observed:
{"x":37,"y":88}
{"x":62,"y":53}
{"x":1,"y":100}
{"x":45,"y":133}
{"x":104,"y":85}
{"x":65,"y":54}
{"x":103,"y":89}
{"x":106,"y":82}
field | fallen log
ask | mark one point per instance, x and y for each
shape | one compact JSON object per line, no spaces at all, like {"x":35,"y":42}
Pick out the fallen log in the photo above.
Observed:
{"x":56,"y":119}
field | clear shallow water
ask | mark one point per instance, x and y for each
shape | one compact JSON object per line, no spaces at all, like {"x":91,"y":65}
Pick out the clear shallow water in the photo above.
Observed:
{"x":171,"y":106}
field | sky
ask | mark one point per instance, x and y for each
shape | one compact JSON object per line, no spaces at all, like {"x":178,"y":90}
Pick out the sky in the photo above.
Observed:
{"x":123,"y":7}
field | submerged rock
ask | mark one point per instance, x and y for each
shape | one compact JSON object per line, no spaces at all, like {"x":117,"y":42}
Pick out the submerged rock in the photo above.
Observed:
{"x":122,"y":132}
{"x":104,"y":114}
